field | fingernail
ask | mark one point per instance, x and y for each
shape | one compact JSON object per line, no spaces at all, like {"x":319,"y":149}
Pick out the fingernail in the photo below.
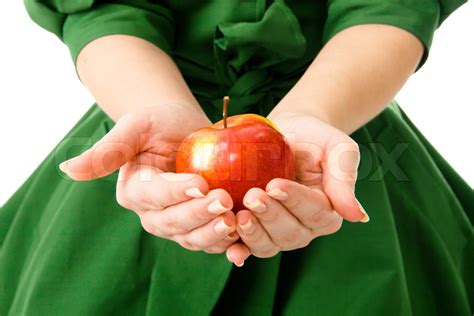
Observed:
{"x":248,"y":227}
{"x":222,"y":228}
{"x":228,"y":237}
{"x":366,"y":217}
{"x":216,"y":207}
{"x":194,"y":193}
{"x":62,"y":165}
{"x":257,"y":206}
{"x":278,"y":194}
{"x":240,"y":265}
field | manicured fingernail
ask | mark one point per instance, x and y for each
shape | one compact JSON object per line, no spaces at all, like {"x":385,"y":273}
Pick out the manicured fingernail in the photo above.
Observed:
{"x":257,"y":206}
{"x":366,"y":217}
{"x":194,"y":193}
{"x":278,"y":194}
{"x":216,"y":207}
{"x":62,"y":165}
{"x":248,"y":227}
{"x":240,"y":265}
{"x":222,"y":228}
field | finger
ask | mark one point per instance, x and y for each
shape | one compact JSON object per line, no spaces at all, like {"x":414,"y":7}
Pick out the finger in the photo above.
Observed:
{"x":120,"y":145}
{"x":339,"y":177}
{"x":222,"y":246}
{"x":149,"y":188}
{"x":213,"y":233}
{"x":309,"y":206}
{"x":254,"y":236}
{"x":183,"y":217}
{"x":282,"y":227}
{"x":237,"y":254}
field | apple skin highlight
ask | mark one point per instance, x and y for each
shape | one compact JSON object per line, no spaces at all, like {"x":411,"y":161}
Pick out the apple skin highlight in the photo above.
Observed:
{"x":247,"y":153}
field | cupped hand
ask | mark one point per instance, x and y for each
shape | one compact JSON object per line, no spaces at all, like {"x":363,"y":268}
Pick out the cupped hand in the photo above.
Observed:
{"x":179,"y":207}
{"x":288,"y":215}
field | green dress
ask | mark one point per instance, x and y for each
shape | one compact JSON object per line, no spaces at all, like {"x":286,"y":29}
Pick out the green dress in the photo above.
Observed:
{"x":68,"y":248}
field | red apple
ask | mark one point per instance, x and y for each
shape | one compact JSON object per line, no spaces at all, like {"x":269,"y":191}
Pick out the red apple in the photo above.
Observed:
{"x":237,"y":154}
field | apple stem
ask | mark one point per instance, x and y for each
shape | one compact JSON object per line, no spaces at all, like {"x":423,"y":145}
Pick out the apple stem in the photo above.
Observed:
{"x":226,"y":100}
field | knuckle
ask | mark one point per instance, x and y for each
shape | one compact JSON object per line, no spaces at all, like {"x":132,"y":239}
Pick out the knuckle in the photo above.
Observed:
{"x":159,"y":204}
{"x":267,"y":252}
{"x":183,"y":242}
{"x":214,"y":250}
{"x":127,"y":196}
{"x":122,"y":197}
{"x":300,"y":198}
{"x":315,"y":218}
{"x":210,"y":251}
{"x":289,"y":239}
{"x":174,"y":197}
{"x":201,"y":214}
{"x":173,"y":227}
{"x":331,"y":228}
{"x":335,"y":226}
{"x":123,"y":201}
{"x":301,"y":244}
{"x":268,"y":215}
{"x":254,"y":236}
{"x":294,"y":247}
{"x":153,"y":201}
{"x":343,"y":159}
{"x":148,"y":227}
{"x":135,"y":196}
{"x":305,"y":243}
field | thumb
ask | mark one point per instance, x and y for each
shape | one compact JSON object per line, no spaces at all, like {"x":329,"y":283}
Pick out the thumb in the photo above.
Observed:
{"x":339,"y":177}
{"x":120,"y":145}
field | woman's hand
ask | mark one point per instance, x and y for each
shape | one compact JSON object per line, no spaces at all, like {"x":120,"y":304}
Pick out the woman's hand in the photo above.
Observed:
{"x":288,"y":215}
{"x":352,"y":78}
{"x":178,"y":207}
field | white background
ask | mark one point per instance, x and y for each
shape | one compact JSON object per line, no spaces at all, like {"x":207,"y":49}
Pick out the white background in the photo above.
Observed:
{"x":41,"y":97}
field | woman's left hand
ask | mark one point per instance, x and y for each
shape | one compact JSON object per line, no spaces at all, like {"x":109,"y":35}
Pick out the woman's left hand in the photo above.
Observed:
{"x":288,"y":215}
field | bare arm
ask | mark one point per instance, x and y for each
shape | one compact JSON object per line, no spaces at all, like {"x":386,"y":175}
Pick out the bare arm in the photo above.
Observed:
{"x":126,"y":73}
{"x":351,"y":80}
{"x":354,"y":76}
{"x":140,"y":87}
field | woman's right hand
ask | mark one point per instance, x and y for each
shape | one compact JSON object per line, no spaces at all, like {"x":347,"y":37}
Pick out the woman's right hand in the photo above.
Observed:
{"x":178,"y":207}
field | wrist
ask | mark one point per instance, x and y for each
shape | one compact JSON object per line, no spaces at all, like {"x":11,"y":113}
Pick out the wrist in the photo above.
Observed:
{"x":184,"y":117}
{"x":291,"y":108}
{"x":187,"y":115}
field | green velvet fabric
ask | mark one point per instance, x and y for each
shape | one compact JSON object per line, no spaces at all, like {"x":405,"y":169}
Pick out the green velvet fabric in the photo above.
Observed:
{"x":68,"y":248}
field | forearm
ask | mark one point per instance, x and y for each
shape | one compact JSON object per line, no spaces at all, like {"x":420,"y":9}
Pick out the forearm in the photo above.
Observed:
{"x":354,"y":76}
{"x":126,"y":73}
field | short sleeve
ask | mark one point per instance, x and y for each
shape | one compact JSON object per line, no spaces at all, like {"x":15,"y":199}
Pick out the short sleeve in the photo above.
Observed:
{"x":419,"y":17}
{"x":78,"y":22}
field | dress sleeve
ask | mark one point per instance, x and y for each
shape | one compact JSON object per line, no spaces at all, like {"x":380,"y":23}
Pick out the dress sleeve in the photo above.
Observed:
{"x":419,"y":17}
{"x":78,"y":22}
